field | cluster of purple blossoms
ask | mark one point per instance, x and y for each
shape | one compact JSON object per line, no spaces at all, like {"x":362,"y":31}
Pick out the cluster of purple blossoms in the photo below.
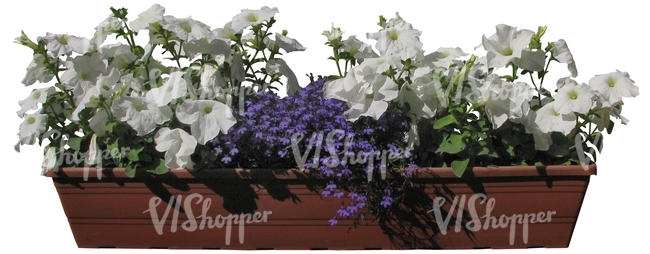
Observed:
{"x":309,"y":131}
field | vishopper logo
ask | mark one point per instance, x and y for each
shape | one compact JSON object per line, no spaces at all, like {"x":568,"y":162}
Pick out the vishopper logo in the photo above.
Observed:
{"x":474,"y":225}
{"x":206,"y":221}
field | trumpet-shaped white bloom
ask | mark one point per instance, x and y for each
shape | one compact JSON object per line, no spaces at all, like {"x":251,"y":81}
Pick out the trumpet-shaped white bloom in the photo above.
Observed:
{"x":444,"y":57}
{"x":401,"y":40}
{"x":371,"y":99}
{"x":178,"y":147}
{"x":505,"y":45}
{"x":333,"y":34}
{"x":49,"y":161}
{"x":211,"y":82}
{"x":207,"y":118}
{"x":31,"y":102}
{"x":358,"y":49}
{"x":288,"y":44}
{"x":252,"y":17}
{"x":549,"y":120}
{"x":142,"y":115}
{"x":110,"y":25}
{"x":31,"y":127}
{"x":98,"y":122}
{"x":292,"y":81}
{"x":122,"y":57}
{"x":84,"y":68}
{"x":227,"y":33}
{"x":572,"y":97}
{"x":187,"y":29}
{"x":152,"y":15}
{"x":494,"y":96}
{"x":104,"y":87}
{"x":561,"y":52}
{"x":207,"y":46}
{"x":36,"y":71}
{"x":65,"y":44}
{"x":175,"y":87}
{"x":614,"y":86}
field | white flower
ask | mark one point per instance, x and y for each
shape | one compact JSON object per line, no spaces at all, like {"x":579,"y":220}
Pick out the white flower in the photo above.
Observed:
{"x":422,"y":94}
{"x":31,"y":128}
{"x":561,"y":52}
{"x":142,"y":115}
{"x":372,"y":97}
{"x":175,"y":87}
{"x":207,"y":46}
{"x":187,"y":29}
{"x":98,"y":122}
{"x":505,"y":45}
{"x":36,"y":71}
{"x":49,"y":161}
{"x":573,"y":98}
{"x":494,"y":96}
{"x":237,"y":71}
{"x":358,"y":49}
{"x":401,"y":40}
{"x":292,"y":84}
{"x":84,"y":68}
{"x":211,"y":82}
{"x":531,"y":60}
{"x":94,"y":154}
{"x":104,"y":87}
{"x":32,"y":101}
{"x":152,"y":15}
{"x":288,"y":44}
{"x":443,"y":57}
{"x":227,"y":33}
{"x":110,"y":25}
{"x":252,"y":17}
{"x":520,"y":96}
{"x":178,"y":147}
{"x":122,"y":56}
{"x":614,"y":86}
{"x":64,"y":44}
{"x":334,"y":33}
{"x":550,"y":120}
{"x":207,"y":118}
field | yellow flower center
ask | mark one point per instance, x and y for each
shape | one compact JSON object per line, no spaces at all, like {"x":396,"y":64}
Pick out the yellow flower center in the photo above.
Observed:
{"x":393,"y":35}
{"x":573,"y":95}
{"x":31,"y":120}
{"x":138,"y":106}
{"x":611,"y":82}
{"x":62,"y":40}
{"x":207,"y":110}
{"x":253,"y":18}
{"x":187,"y":28}
{"x":507,"y":51}
{"x":36,"y":95}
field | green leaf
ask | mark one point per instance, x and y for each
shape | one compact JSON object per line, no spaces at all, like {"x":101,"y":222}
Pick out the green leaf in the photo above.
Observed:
{"x":610,"y":127}
{"x":113,"y":144}
{"x":133,"y":153}
{"x":459,"y":166}
{"x":160,"y":168}
{"x":452,"y":144}
{"x":442,"y":122}
{"x":130,"y":170}
{"x":75,"y":143}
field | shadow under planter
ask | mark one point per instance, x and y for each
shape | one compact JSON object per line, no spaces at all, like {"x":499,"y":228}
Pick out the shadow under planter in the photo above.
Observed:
{"x":496,"y":207}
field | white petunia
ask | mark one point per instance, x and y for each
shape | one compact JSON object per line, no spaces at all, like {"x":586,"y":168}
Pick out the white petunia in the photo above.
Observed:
{"x":32,"y":101}
{"x":401,"y":40}
{"x":31,"y":127}
{"x":98,"y":122}
{"x":334,"y":33}
{"x":561,"y":52}
{"x":292,"y":84}
{"x":152,"y":15}
{"x":84,"y":68}
{"x":142,"y":115}
{"x":614,"y":86}
{"x":36,"y":71}
{"x":288,"y":44}
{"x":122,"y":57}
{"x":105,"y":87}
{"x":64,"y":44}
{"x":207,"y":46}
{"x":227,"y":33}
{"x":178,"y":147}
{"x":110,"y":25}
{"x":211,"y":82}
{"x":94,"y":153}
{"x":505,"y":45}
{"x":207,"y":118}
{"x":187,"y":29}
{"x":358,"y":49}
{"x":443,"y":57}
{"x":372,"y":97}
{"x":175,"y":87}
{"x":49,"y":161}
{"x":572,"y":97}
{"x":550,"y":120}
{"x":252,"y":17}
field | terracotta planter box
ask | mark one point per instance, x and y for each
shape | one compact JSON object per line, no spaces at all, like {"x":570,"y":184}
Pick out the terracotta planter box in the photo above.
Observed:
{"x":527,"y":206}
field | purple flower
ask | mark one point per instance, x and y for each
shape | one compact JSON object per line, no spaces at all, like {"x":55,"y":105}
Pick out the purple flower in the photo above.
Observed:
{"x":333,"y":221}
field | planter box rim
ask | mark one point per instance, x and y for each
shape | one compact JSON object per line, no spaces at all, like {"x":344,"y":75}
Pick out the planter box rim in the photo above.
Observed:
{"x":292,"y":173}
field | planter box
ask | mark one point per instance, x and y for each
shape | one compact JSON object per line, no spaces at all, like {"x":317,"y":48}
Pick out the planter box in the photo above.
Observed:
{"x":527,"y":206}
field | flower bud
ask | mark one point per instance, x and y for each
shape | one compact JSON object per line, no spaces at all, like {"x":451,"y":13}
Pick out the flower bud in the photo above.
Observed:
{"x":24,"y":40}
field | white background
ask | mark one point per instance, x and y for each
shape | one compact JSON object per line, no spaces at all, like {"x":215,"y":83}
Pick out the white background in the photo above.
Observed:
{"x":602,"y":36}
